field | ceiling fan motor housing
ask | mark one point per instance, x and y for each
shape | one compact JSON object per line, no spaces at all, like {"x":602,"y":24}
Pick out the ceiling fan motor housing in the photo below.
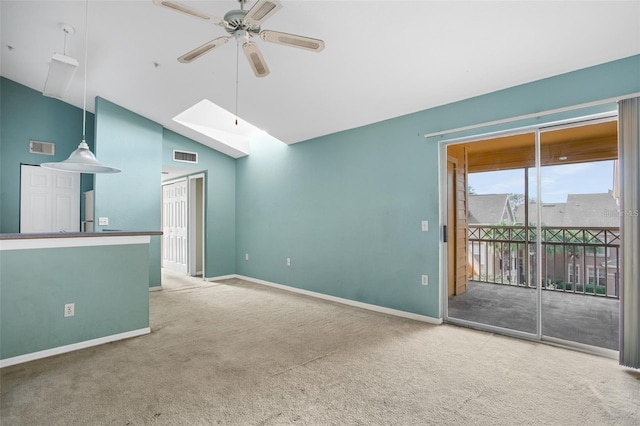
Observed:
{"x":234,"y":21}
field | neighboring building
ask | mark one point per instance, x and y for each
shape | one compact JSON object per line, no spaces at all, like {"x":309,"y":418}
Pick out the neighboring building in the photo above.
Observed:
{"x":580,"y":211}
{"x":576,"y":259}
{"x":487,"y":259}
{"x":490,"y":209}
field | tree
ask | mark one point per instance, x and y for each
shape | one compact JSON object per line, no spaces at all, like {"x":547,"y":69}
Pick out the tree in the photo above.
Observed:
{"x":516,"y":200}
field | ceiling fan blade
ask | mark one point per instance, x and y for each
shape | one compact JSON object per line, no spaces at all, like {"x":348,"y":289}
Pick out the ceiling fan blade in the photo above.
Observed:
{"x":261,"y":11}
{"x":199,"y":51}
{"x":255,"y":58}
{"x":181,"y":7}
{"x":293,"y":40}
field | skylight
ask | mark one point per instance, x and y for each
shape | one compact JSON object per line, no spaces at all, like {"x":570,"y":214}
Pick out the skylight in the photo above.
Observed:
{"x":217,"y":123}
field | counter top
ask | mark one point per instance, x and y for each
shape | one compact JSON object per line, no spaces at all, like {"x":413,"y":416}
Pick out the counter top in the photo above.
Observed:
{"x":32,"y":236}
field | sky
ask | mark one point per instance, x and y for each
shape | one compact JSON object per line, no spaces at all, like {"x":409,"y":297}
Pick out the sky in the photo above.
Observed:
{"x":557,"y":181}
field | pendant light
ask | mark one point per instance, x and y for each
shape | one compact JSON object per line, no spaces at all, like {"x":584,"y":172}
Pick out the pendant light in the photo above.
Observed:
{"x":82,"y":159}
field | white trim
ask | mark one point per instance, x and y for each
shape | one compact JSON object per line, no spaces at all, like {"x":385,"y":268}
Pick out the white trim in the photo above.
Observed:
{"x":172,"y":181}
{"x":192,"y":198}
{"x":155,"y":288}
{"x":42,"y":243}
{"x":222,"y":277}
{"x":367,"y":306}
{"x":533,"y":115}
{"x":581,"y":347}
{"x":72,"y":347}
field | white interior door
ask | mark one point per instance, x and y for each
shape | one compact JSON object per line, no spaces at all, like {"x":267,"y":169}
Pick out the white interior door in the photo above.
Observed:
{"x":49,"y":200}
{"x":174,"y":226}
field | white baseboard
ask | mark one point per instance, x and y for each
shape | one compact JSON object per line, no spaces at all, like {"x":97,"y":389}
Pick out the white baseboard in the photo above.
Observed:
{"x":72,"y":347}
{"x":367,"y":306}
{"x":155,"y":288}
{"x":222,"y":277}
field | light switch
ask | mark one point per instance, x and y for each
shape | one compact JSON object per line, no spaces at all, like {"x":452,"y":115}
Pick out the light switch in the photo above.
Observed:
{"x":425,"y":225}
{"x":103,"y":221}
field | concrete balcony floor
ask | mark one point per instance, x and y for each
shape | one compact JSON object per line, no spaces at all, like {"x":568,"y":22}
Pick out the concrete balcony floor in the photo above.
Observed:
{"x":579,"y":318}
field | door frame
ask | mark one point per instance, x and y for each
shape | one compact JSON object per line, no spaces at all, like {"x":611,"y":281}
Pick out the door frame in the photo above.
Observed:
{"x":192,"y":248}
{"x":192,"y":214}
{"x":51,"y":213}
{"x":444,"y":269}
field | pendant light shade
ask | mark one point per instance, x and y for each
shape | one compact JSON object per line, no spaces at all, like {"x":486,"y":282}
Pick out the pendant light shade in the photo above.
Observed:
{"x":81,"y":160}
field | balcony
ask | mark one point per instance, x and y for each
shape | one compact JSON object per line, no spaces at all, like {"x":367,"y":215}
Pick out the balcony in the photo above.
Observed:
{"x":580,"y":282}
{"x":583,"y":261}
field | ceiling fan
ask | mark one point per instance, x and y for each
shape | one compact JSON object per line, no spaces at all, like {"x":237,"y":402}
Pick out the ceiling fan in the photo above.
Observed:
{"x":243,"y":25}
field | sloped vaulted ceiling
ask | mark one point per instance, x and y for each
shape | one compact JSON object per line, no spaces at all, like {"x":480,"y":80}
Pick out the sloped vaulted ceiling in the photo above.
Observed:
{"x":382,"y":58}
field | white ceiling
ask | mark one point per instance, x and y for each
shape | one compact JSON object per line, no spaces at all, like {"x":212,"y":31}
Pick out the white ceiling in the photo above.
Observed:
{"x":382,"y":59}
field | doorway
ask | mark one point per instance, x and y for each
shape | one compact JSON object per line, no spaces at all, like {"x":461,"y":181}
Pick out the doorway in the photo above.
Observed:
{"x":49,"y":200}
{"x":196,"y":226}
{"x":183,"y":225}
{"x":543,"y":261}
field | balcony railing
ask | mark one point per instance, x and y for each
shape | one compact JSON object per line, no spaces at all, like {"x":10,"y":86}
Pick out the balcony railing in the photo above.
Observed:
{"x":574,"y":260}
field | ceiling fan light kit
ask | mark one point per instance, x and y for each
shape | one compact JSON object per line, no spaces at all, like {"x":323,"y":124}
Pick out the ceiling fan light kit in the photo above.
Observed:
{"x":243,"y":25}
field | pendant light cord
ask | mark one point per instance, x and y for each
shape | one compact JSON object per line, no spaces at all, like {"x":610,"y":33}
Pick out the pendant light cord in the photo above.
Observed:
{"x":86,"y":66}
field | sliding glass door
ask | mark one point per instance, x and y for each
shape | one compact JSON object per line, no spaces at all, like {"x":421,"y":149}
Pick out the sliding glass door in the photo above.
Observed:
{"x":537,"y":253}
{"x":580,"y":253}
{"x":499,"y":240}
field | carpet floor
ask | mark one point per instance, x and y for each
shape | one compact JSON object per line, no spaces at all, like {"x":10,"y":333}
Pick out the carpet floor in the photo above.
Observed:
{"x":237,"y":353}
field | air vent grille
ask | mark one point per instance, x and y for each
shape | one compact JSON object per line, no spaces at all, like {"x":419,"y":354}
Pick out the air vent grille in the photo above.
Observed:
{"x":44,"y":148}
{"x":185,"y":156}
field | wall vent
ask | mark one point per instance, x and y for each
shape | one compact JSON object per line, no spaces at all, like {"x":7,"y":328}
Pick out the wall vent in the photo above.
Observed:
{"x":185,"y":157}
{"x":44,"y":148}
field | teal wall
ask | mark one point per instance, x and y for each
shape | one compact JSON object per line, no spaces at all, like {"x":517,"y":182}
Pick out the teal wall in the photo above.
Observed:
{"x":131,"y":200}
{"x":220,"y":198}
{"x":110,"y":297}
{"x":26,"y":114}
{"x":346,"y":208}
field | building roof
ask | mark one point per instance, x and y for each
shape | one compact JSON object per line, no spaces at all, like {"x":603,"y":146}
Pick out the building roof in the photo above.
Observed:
{"x":489,"y":209}
{"x":580,"y":210}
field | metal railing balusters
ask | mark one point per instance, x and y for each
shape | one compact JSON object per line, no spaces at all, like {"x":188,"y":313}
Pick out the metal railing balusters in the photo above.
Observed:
{"x":497,"y":246}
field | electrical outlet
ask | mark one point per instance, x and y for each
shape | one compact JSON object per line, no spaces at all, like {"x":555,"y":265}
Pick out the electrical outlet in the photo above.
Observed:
{"x":425,"y":280}
{"x":69,"y":309}
{"x":288,"y":261}
{"x":103,"y":221}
